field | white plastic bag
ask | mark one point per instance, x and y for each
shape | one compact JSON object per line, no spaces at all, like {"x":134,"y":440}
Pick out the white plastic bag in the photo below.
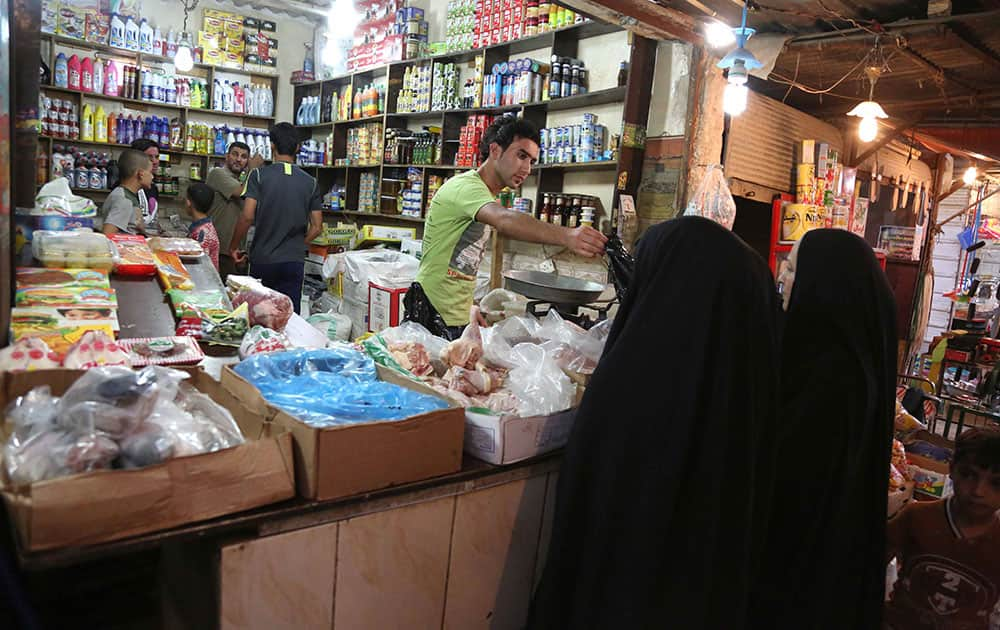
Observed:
{"x":384,"y":267}
{"x":538,"y":382}
{"x":712,"y":199}
{"x":335,"y":326}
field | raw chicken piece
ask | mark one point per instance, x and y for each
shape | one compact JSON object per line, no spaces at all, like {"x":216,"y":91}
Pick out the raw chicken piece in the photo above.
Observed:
{"x":465,"y":351}
{"x":502,"y":401}
{"x":468,"y":382}
{"x":440,"y":387}
{"x":413,"y":357}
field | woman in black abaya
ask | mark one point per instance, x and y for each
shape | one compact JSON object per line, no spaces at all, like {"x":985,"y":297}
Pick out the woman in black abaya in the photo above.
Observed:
{"x":657,"y":513}
{"x":824,"y":562}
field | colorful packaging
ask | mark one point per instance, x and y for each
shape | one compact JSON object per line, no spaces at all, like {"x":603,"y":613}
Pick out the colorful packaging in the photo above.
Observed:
{"x":28,"y":355}
{"x":134,"y":256}
{"x":172,"y":272}
{"x":95,"y":349}
{"x":66,"y":296}
{"x":51,"y":277}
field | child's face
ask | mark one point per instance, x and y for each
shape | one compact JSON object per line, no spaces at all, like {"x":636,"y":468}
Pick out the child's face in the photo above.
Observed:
{"x":977,"y":490}
{"x":145,"y":178}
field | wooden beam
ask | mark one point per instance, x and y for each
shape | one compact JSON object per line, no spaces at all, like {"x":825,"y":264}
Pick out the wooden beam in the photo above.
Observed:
{"x":937,"y":70}
{"x":642,"y":17}
{"x":884,"y":140}
{"x":956,"y":186}
{"x":971,"y":44}
{"x":937,"y":226}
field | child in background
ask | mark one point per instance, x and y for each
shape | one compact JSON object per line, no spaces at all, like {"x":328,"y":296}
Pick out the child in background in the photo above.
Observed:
{"x":949,"y":550}
{"x":199,"y":202}
{"x":125,"y":207}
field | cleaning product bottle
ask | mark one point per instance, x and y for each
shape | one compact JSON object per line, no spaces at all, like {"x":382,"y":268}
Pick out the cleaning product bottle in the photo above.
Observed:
{"x":145,"y":36}
{"x":111,"y":79}
{"x":131,"y":34}
{"x":238,"y":99}
{"x":136,"y":129}
{"x":158,"y":44}
{"x":219,"y":147}
{"x":147,"y":85}
{"x":112,"y":128}
{"x":240,"y":137}
{"x":73,"y":68}
{"x":62,"y":71}
{"x":87,"y":124}
{"x":98,"y":78}
{"x":230,"y":139}
{"x":217,"y":95}
{"x":227,"y":101}
{"x":300,"y":115}
{"x":87,"y":74}
{"x":117,"y":31}
{"x":100,"y":125}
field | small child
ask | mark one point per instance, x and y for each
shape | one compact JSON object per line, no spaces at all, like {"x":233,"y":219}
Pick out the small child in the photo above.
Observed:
{"x":199,"y":202}
{"x":125,"y":207}
{"x":949,"y":550}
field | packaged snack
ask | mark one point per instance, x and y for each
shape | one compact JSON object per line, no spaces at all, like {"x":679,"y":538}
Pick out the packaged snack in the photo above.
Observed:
{"x":69,"y":250}
{"x":180,"y":246}
{"x":27,"y":355}
{"x":172,"y":272}
{"x":95,"y":349}
{"x":227,"y":330}
{"x":66,"y":296}
{"x":56,"y":330}
{"x":163,"y":351}
{"x":134,"y":256}
{"x":261,"y":340}
{"x":50,"y":277}
{"x":214,"y":303}
{"x":63,"y":316}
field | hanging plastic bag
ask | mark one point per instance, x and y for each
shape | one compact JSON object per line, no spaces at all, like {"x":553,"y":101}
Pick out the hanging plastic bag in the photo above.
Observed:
{"x":712,"y":199}
{"x":621,"y":265}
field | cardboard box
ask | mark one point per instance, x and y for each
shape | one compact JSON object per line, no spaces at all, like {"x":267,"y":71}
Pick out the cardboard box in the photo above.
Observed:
{"x":352,"y":459}
{"x":108,"y":505}
{"x":383,"y":233}
{"x":508,"y":439}
{"x":899,"y":498}
{"x":930,"y":476}
{"x":385,"y":307}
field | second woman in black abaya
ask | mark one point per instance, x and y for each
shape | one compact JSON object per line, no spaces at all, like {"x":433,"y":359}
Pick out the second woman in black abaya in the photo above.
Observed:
{"x":666,"y":473}
{"x":825,"y":556}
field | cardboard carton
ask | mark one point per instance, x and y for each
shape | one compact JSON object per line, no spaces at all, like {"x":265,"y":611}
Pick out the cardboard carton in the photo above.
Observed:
{"x":352,"y":459}
{"x":506,"y":439}
{"x":108,"y":505}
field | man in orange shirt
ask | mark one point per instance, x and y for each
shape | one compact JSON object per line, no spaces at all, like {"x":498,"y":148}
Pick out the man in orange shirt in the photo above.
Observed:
{"x":949,"y":550}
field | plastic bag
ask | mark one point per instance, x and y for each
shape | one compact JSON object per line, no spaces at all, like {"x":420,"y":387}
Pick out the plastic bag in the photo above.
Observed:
{"x":712,"y":199}
{"x":226,"y":331}
{"x":499,"y":304}
{"x":57,"y":453}
{"x":335,"y":326}
{"x":195,"y":424}
{"x":466,"y":350}
{"x":332,"y":387}
{"x":214,"y":303}
{"x":621,"y":267}
{"x":401,"y":338}
{"x":267,"y":307}
{"x":95,"y":349}
{"x":172,"y":272}
{"x":26,"y":355}
{"x":261,"y":340}
{"x":56,"y":198}
{"x":572,"y":347}
{"x":538,"y":382}
{"x":385,"y":267}
{"x":498,"y":340}
{"x":179,"y":246}
{"x":419,"y":309}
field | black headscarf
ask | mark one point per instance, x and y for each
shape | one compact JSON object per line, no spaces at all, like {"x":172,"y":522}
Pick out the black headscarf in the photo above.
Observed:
{"x":656,"y":513}
{"x":825,"y":557}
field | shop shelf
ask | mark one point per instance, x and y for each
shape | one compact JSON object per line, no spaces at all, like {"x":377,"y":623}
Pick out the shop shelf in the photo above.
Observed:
{"x":378,"y":215}
{"x":435,"y":167}
{"x":417,"y":115}
{"x":605,"y":165}
{"x":363,"y":119}
{"x":316,"y":126}
{"x":133,"y":101}
{"x":115,"y":145}
{"x":590,"y":99}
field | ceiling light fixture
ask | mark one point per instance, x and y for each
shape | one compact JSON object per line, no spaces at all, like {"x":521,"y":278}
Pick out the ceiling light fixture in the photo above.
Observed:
{"x":869,"y":111}
{"x":739,"y":62}
{"x":970,"y":175}
{"x":183,"y":60}
{"x":718,"y":35}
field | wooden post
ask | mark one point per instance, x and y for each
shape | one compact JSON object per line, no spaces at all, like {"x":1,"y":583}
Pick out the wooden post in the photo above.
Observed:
{"x":496,"y":260}
{"x":635,"y":117}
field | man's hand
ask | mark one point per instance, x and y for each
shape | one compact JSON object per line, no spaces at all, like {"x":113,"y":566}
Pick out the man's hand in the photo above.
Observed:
{"x":238,"y":257}
{"x":586,"y":241}
{"x":255,"y":162}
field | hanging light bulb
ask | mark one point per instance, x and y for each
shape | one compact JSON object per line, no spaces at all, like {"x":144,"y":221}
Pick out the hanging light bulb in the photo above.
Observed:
{"x":342,"y":19}
{"x":718,"y":35}
{"x":739,"y":61}
{"x":868,"y":129}
{"x":332,"y":54}
{"x":869,"y":111}
{"x":969,"y":176}
{"x":183,"y":61}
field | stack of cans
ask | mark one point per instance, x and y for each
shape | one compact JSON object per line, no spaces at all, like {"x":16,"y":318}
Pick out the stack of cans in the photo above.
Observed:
{"x":574,"y":143}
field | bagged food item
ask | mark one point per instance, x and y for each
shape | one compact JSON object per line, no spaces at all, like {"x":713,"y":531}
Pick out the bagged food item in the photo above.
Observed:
{"x":73,"y":250}
{"x":227,"y":330}
{"x":98,"y":297}
{"x":95,"y":349}
{"x":134,"y":256}
{"x":172,"y":272}
{"x":57,"y":453}
{"x":899,"y":459}
{"x":163,"y":351}
{"x":213,"y":302}
{"x":267,"y":307}
{"x":712,"y":199}
{"x":51,"y":277}
{"x":335,"y":326}
{"x":261,"y":340}
{"x":896,"y":479}
{"x":499,"y":304}
{"x":466,"y":350}
{"x":538,"y":382}
{"x":180,"y":246}
{"x":572,"y":347}
{"x":412,"y":348}
{"x":57,"y":198}
{"x":27,"y":355}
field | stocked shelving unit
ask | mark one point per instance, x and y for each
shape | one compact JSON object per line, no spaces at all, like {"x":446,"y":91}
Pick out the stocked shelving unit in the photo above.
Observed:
{"x":203,"y":71}
{"x":562,"y":42}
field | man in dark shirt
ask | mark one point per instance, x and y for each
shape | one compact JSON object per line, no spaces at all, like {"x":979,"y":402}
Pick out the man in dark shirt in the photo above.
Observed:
{"x":284,"y":205}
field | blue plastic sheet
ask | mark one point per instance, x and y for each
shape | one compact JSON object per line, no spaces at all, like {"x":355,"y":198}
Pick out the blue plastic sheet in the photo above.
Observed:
{"x":332,"y":387}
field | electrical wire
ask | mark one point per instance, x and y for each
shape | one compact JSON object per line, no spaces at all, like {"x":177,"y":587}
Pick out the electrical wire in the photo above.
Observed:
{"x":811,"y":90}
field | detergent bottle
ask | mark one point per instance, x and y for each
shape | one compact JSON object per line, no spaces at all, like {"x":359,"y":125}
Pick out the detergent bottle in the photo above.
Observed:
{"x":98,"y":78}
{"x":87,"y":75}
{"x":87,"y":124}
{"x":73,"y":68}
{"x":62,"y":71}
{"x":117,"y":31}
{"x":131,"y":34}
{"x":111,"y":79}
{"x":100,"y":125}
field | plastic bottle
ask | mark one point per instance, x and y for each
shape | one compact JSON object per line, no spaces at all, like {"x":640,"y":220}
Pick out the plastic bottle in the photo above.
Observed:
{"x":145,"y":36}
{"x":220,"y":141}
{"x":230,"y":139}
{"x":146,"y":93}
{"x":228,"y":98}
{"x":241,"y":137}
{"x":94,"y":177}
{"x":73,"y":69}
{"x":98,"y":77}
{"x":110,"y":79}
{"x":158,"y":43}
{"x":131,"y":34}
{"x":117,"y":31}
{"x":217,"y":95}
{"x":62,"y":71}
{"x":87,"y":75}
{"x":239,"y":99}
{"x":87,"y":124}
{"x":136,"y":128}
{"x":100,"y":125}
{"x":127,"y":133}
{"x":113,"y":128}
{"x":300,"y":115}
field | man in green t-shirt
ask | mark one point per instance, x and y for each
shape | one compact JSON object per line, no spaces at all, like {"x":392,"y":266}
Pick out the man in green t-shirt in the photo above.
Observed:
{"x":458,"y":225}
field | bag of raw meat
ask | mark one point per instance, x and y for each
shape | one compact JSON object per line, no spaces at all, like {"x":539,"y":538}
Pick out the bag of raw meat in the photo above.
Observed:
{"x":267,"y":307}
{"x":261,"y":340}
{"x":712,"y":199}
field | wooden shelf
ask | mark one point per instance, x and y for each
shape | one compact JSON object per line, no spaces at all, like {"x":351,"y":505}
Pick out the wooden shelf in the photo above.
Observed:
{"x":439,"y":167}
{"x":115,"y":145}
{"x":605,"y":165}
{"x":376,"y":215}
{"x":132,"y":101}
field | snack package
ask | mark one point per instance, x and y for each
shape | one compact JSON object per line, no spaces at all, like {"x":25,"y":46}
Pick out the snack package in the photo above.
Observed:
{"x":214,"y":303}
{"x":172,"y":272}
{"x":712,"y":199}
{"x":27,"y":355}
{"x":98,"y":297}
{"x":266,"y":306}
{"x":95,"y":349}
{"x":51,"y":277}
{"x":261,"y":340}
{"x":181,"y":246}
{"x":896,"y":479}
{"x":58,"y":334}
{"x":47,"y":318}
{"x":227,"y":330}
{"x":162,"y":351}
{"x":73,"y":250}
{"x":134,"y":256}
